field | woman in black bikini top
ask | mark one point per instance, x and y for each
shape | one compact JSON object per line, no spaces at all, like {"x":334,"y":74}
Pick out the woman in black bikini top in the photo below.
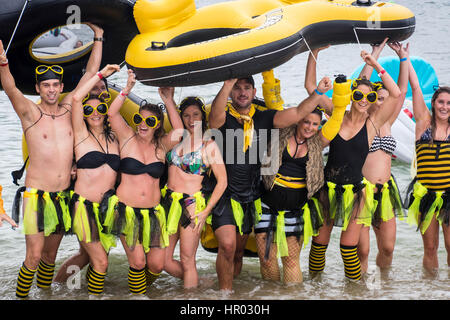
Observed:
{"x":139,"y":218}
{"x":96,"y":151}
{"x":345,"y":184}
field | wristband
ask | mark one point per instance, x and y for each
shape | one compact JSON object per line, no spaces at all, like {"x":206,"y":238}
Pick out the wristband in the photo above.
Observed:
{"x":123,"y":94}
{"x":99,"y":39}
{"x":403,"y":59}
{"x":99,"y":74}
{"x":318,"y":92}
{"x":381,"y":73}
{"x":4,"y":64}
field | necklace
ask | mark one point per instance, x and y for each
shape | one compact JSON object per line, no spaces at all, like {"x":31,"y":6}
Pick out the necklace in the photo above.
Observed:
{"x":54,"y":115}
{"x":299,"y":143}
{"x":106,"y":140}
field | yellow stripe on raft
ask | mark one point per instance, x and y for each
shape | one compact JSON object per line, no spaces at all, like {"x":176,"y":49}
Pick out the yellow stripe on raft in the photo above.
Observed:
{"x":267,"y":20}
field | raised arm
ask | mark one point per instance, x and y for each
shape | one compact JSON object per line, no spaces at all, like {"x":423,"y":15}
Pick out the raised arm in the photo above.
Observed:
{"x":95,"y":58}
{"x":19,"y":102}
{"x":288,"y":117}
{"x":311,"y":79}
{"x":118,"y":123}
{"x":94,"y":61}
{"x":420,"y":110}
{"x":402,"y":82}
{"x":367,"y":70}
{"x":80,"y":130}
{"x":173,"y":137}
{"x":387,"y":109}
{"x":217,"y":115}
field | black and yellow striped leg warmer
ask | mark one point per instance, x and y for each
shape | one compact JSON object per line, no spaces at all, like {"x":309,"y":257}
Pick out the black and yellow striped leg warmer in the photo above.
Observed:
{"x":24,"y":281}
{"x":352,"y":264}
{"x":317,"y":257}
{"x":96,"y":281}
{"x":88,"y":273}
{"x":137,"y":281}
{"x":150,"y":276}
{"x":45,"y":273}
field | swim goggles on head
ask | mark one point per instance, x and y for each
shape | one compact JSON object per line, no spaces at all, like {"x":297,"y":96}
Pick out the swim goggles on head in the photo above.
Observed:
{"x":151,"y":121}
{"x":358,"y":95}
{"x":198,"y":99}
{"x":88,"y":110}
{"x":104,"y":95}
{"x":42,"y":69}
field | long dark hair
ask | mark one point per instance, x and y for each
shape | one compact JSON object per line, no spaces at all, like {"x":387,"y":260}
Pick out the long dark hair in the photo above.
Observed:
{"x":194,"y":101}
{"x":159,"y":132}
{"x":107,"y":131}
{"x":438,"y":91}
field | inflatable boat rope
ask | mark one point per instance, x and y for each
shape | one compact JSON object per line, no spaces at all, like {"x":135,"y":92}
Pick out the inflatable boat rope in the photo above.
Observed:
{"x":17,"y":25}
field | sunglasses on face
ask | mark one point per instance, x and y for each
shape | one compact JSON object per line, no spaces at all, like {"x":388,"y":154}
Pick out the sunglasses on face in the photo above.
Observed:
{"x":88,"y":110}
{"x":104,"y":95}
{"x":358,"y":95}
{"x":151,"y":121}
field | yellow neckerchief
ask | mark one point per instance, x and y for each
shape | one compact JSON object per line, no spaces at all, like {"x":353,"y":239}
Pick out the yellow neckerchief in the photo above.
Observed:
{"x":248,"y":124}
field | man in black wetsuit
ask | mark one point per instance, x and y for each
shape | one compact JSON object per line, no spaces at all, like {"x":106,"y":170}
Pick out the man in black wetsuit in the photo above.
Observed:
{"x":245,"y":132}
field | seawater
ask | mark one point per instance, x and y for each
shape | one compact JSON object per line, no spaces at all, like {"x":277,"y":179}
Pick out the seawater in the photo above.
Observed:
{"x":405,"y":280}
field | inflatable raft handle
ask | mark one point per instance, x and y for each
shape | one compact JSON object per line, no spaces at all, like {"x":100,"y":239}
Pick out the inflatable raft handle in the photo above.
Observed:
{"x":157,"y":45}
{"x":364,"y":3}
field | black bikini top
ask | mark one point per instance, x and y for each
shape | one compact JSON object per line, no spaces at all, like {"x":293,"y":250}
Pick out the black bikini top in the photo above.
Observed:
{"x":95,"y":159}
{"x":132,"y":166}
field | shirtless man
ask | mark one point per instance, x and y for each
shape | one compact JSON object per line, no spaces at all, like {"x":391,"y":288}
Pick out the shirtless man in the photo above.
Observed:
{"x":48,"y":130}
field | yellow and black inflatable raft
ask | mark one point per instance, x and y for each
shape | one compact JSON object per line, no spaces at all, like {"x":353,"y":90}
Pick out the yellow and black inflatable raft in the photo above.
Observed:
{"x":179,"y":45}
{"x":40,"y":16}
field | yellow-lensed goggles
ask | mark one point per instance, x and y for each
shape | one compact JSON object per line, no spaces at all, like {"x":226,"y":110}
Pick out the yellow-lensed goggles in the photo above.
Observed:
{"x":42,"y":69}
{"x":104,"y":95}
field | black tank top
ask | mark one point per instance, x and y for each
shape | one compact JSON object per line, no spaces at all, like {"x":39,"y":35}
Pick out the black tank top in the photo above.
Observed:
{"x":346,"y":158}
{"x":244,"y":169}
{"x":293,"y":167}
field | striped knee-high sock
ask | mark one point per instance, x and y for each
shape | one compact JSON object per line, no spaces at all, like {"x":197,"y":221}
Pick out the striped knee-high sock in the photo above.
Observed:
{"x":150,"y":276}
{"x":96,"y":281}
{"x":137,"y":281}
{"x":317,"y":257}
{"x":24,"y":281}
{"x":88,"y":272}
{"x":352,"y":264}
{"x":45,"y":273}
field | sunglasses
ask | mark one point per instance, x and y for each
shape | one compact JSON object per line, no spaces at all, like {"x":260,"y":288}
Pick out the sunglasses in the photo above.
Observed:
{"x":104,"y":95}
{"x":197,"y":99}
{"x":88,"y":110}
{"x":43,"y":69}
{"x":358,"y":95}
{"x":151,"y":121}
